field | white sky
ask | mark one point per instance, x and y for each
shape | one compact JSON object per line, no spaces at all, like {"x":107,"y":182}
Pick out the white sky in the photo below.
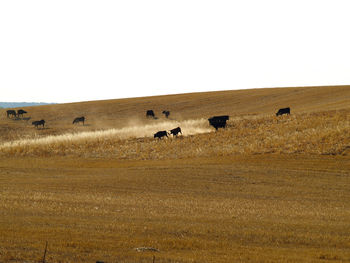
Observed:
{"x":70,"y":50}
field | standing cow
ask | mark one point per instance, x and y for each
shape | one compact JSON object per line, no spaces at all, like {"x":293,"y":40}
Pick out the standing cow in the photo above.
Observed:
{"x":21,"y":112}
{"x":150,"y":113}
{"x":218,"y":121}
{"x":166,"y":113}
{"x":283,"y":111}
{"x":11,"y":113}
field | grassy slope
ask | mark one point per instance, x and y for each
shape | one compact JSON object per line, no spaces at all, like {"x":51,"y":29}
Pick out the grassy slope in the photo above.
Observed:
{"x":125,"y":112}
{"x":319,"y":124}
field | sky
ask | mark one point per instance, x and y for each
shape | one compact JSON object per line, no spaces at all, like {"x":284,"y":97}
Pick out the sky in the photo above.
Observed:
{"x":80,"y":50}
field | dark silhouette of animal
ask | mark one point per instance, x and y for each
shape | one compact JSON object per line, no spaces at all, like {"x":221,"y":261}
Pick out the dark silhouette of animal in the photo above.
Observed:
{"x":11,"y":113}
{"x":150,"y":113}
{"x":37,"y":123}
{"x":283,"y":111}
{"x":176,"y":131}
{"x":21,"y":112}
{"x":218,"y":121}
{"x":79,"y":119}
{"x":160,"y":134}
{"x":166,"y":113}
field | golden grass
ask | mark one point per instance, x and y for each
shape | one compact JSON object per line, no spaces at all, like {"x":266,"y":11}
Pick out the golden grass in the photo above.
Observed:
{"x":241,"y":209}
{"x":325,"y":133}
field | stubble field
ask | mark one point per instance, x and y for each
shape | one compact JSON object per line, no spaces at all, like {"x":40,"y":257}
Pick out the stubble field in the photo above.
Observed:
{"x":265,"y":189}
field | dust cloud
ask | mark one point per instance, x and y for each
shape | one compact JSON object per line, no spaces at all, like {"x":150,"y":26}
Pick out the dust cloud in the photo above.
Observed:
{"x":135,"y":129}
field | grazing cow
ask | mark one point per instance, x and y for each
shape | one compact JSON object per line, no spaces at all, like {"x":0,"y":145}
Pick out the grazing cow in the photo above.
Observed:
{"x":150,"y":113}
{"x":79,"y":119}
{"x":283,"y":111}
{"x":218,"y":121}
{"x":166,"y":113}
{"x":11,"y":113}
{"x":21,"y":112}
{"x":176,"y":131}
{"x":160,"y":134}
{"x":37,"y":123}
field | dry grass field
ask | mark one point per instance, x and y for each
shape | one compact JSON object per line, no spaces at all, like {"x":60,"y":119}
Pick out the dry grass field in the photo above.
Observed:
{"x":265,"y":189}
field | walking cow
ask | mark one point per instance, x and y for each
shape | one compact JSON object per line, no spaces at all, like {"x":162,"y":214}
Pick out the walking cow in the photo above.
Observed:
{"x":79,"y":119}
{"x":175,"y":131}
{"x":37,"y":123}
{"x":160,"y":134}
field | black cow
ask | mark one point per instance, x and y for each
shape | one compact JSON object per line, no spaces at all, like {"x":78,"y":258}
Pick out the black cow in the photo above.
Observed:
{"x":218,"y":121}
{"x":150,"y":113}
{"x":166,"y":113}
{"x":283,"y":111}
{"x":11,"y":113}
{"x":21,"y":112}
{"x":79,"y":119}
{"x":160,"y":134}
{"x":176,"y":131}
{"x":37,"y":123}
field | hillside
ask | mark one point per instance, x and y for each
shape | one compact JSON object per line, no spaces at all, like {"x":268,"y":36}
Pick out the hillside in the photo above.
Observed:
{"x":199,"y":105}
{"x":264,"y":189}
{"x":318,"y":124}
{"x":118,"y":112}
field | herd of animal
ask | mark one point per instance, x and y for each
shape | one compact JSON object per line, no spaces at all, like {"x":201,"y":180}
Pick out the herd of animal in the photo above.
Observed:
{"x":20,"y":112}
{"x":161,"y":134}
{"x":215,"y":121}
{"x":15,"y":114}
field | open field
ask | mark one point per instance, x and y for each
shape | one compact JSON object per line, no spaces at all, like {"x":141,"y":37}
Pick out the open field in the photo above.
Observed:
{"x":232,"y":209}
{"x":265,"y":189}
